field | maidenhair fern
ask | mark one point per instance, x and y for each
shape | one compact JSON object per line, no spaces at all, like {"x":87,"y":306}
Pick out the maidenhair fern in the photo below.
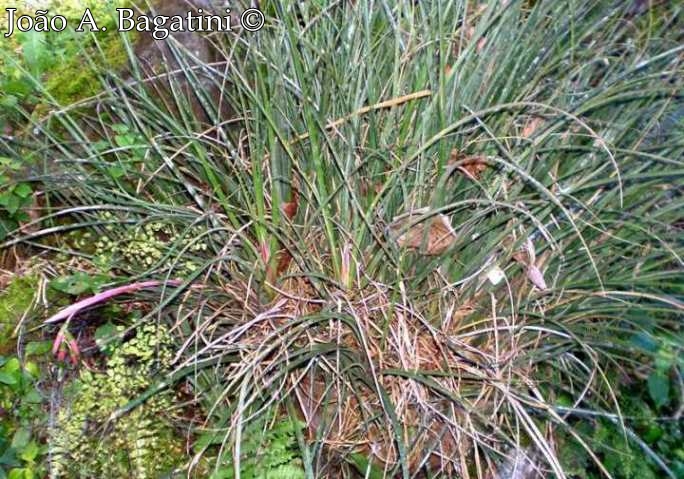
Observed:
{"x":144,"y":247}
{"x":86,"y":443}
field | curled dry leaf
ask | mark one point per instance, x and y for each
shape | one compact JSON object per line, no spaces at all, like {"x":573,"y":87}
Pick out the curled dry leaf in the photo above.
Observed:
{"x":481,"y":44}
{"x":531,"y":253}
{"x":290,"y":208}
{"x":470,"y":166}
{"x":527,"y":257}
{"x":462,"y":312}
{"x":264,"y":252}
{"x":365,"y":187}
{"x":435,"y":232}
{"x":536,"y":276}
{"x":346,"y":273}
{"x":521,"y":257}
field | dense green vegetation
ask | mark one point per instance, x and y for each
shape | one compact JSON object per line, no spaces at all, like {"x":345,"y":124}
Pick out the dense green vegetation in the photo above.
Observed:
{"x":43,"y":71}
{"x":373,"y":239}
{"x":140,"y":445}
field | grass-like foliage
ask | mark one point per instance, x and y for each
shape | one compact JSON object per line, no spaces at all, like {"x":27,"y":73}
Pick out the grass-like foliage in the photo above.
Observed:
{"x":444,"y":235}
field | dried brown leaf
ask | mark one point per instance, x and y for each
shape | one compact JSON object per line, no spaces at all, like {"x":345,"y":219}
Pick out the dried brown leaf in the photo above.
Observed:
{"x":462,"y":312}
{"x":526,"y":256}
{"x":436,"y":233}
{"x":481,"y":44}
{"x":521,"y":257}
{"x":290,"y":208}
{"x":470,"y":166}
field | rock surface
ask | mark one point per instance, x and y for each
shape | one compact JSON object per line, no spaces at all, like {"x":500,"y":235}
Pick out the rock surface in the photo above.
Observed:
{"x":163,"y":61}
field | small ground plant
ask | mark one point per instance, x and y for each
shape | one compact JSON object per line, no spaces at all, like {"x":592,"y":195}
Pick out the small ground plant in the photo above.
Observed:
{"x":23,"y":418}
{"x":89,"y":440}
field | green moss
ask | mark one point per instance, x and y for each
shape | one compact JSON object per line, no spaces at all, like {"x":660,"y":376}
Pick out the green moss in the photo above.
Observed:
{"x":76,"y":78}
{"x":72,"y":82}
{"x":14,"y":302}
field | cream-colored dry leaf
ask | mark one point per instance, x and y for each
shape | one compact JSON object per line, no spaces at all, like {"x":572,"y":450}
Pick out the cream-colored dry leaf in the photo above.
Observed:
{"x":495,"y":275}
{"x":535,"y":275}
{"x":435,"y":233}
{"x":527,"y":257}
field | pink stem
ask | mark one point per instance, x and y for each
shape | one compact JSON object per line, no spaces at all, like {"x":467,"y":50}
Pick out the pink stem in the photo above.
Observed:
{"x":104,"y":296}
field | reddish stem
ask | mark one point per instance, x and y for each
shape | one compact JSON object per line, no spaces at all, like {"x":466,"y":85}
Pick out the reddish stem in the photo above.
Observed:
{"x":104,"y":296}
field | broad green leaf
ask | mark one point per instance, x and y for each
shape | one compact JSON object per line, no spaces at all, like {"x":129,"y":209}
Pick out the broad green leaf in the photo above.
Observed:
{"x":124,"y":140}
{"x":30,"y":452}
{"x":32,"y":368}
{"x":21,"y":438}
{"x":23,"y":473}
{"x":659,"y":388}
{"x":11,"y":366}
{"x":116,"y":172}
{"x":36,"y":55}
{"x":18,"y":87}
{"x":105,"y":335}
{"x":23,"y":190}
{"x":74,"y":284}
{"x":7,"y":226}
{"x":38,"y":348}
{"x":33,"y":397}
{"x":13,"y":204}
{"x":8,"y":378}
{"x":223,"y":473}
{"x":120,"y":128}
{"x":366,"y":467}
{"x":9,"y":101}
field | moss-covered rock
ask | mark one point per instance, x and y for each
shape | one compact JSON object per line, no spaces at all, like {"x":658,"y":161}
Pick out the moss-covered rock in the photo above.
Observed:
{"x":77,"y":79}
{"x":15,"y":300}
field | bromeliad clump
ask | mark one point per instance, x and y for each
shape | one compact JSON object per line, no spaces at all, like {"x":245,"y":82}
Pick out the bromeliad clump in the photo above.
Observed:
{"x":88,"y":442}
